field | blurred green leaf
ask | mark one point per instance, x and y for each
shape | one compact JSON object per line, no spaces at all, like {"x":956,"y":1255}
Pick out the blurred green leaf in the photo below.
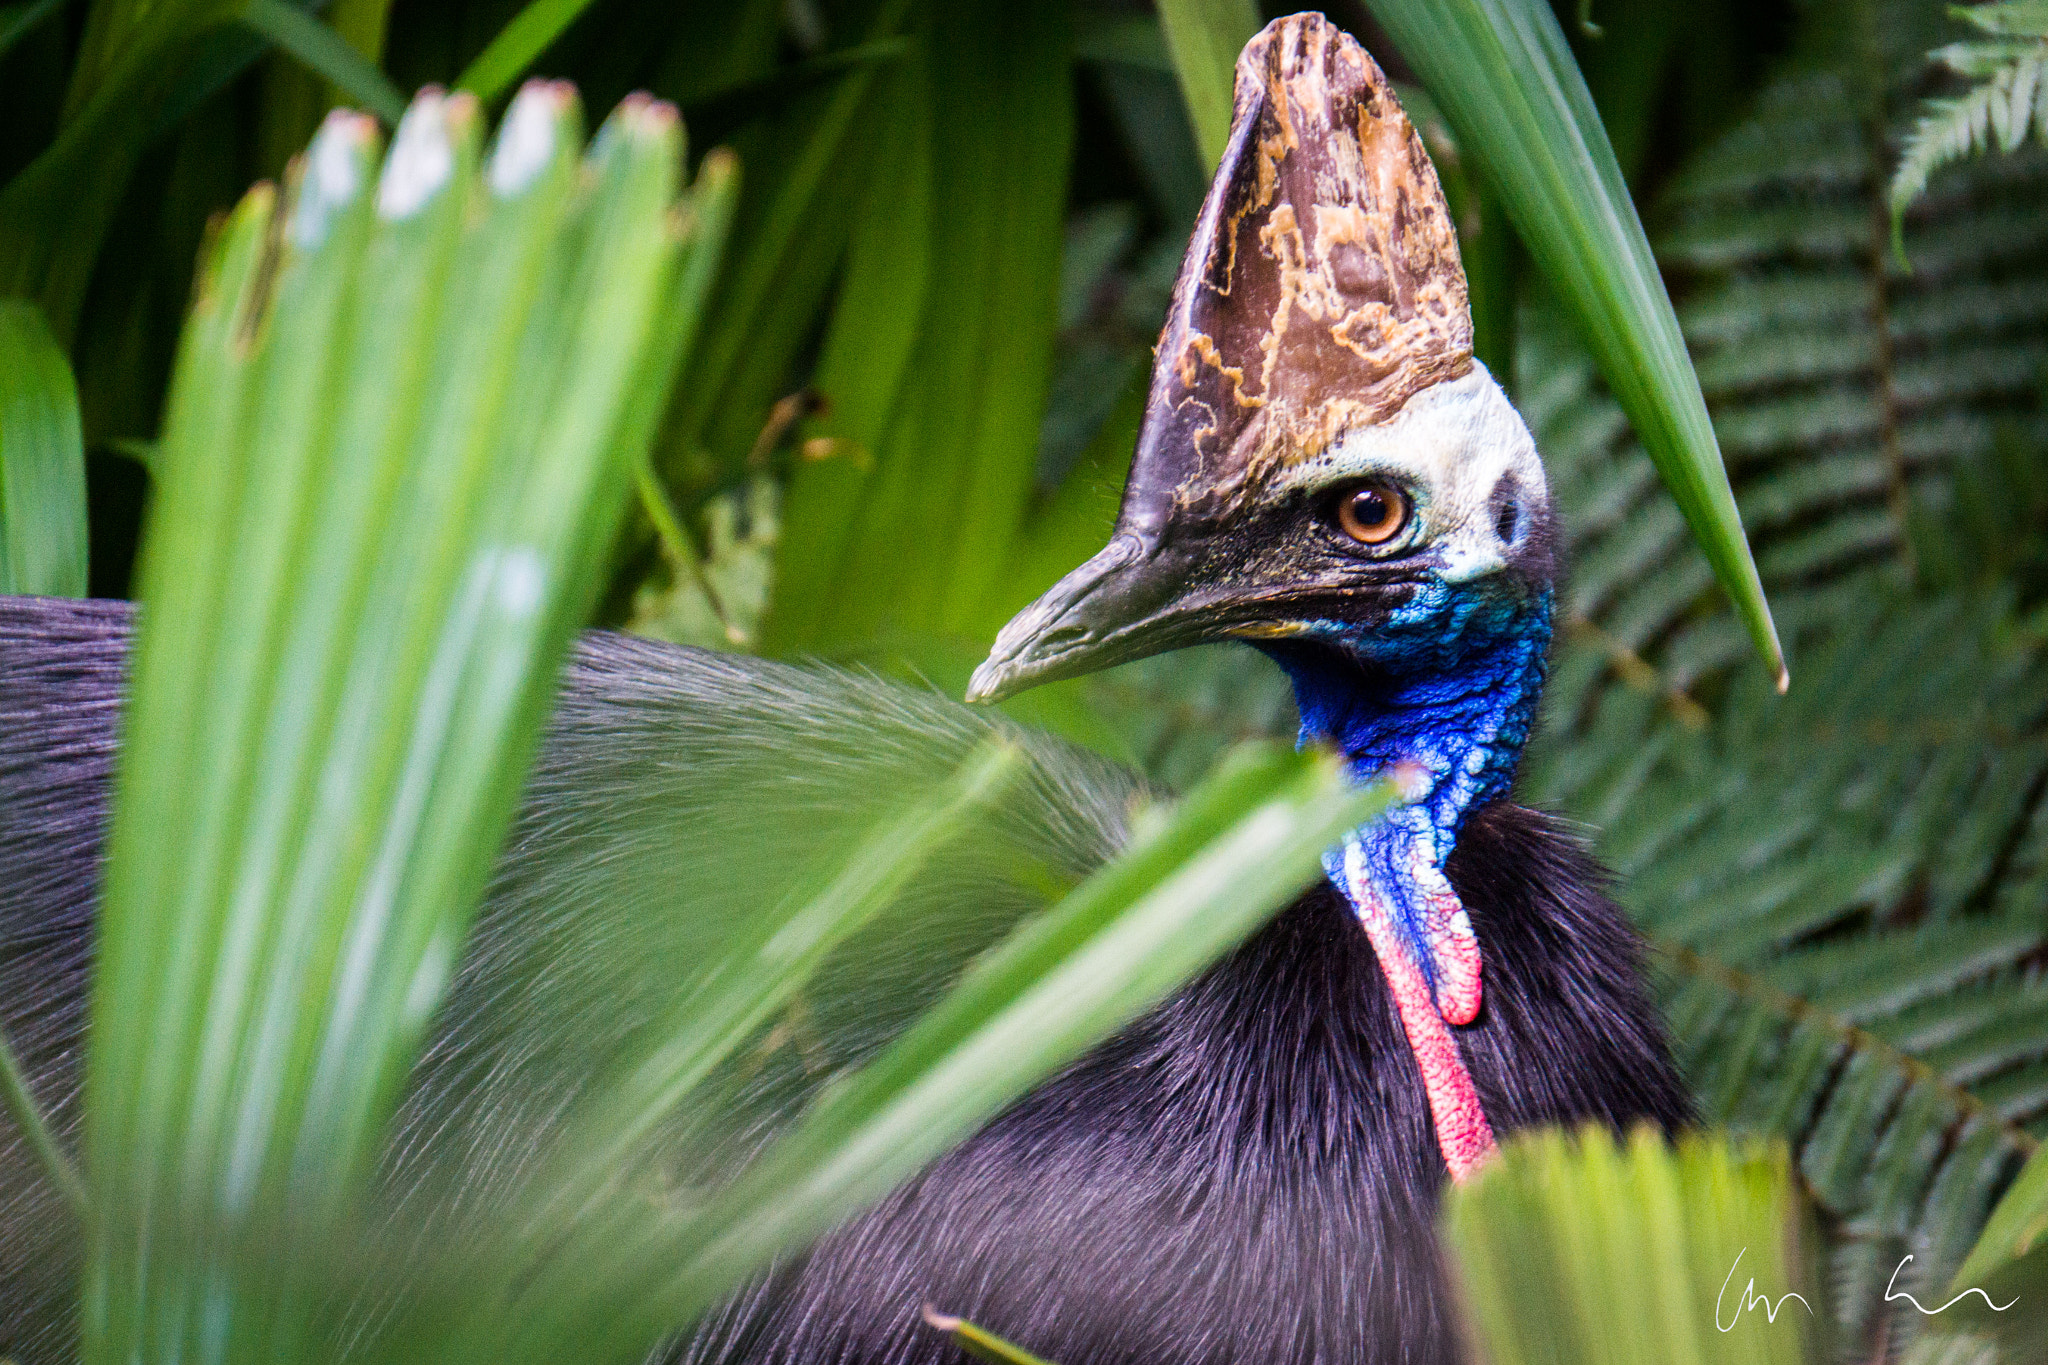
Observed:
{"x":1505,"y":80}
{"x":326,"y":53}
{"x":139,"y":65}
{"x":2001,"y":1292}
{"x":42,"y":460}
{"x":979,"y":1342}
{"x":517,"y":46}
{"x":939,"y":355}
{"x":781,"y":953}
{"x":806,"y":171}
{"x":405,"y":417}
{"x":18,"y":21}
{"x":1573,"y":1249}
{"x":297,"y":92}
{"x":761,"y":95}
{"x":1205,"y":37}
{"x":1124,"y":40}
{"x":2006,"y":1308}
{"x":20,"y":1103}
{"x":1187,"y":889}
{"x":2018,"y":1225}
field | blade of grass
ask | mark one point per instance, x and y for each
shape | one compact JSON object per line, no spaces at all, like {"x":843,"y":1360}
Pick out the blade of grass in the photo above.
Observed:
{"x":979,"y":1342}
{"x":1504,"y":77}
{"x":21,"y":1106}
{"x":326,"y":54}
{"x":42,"y":460}
{"x":518,"y":45}
{"x":1204,"y":37}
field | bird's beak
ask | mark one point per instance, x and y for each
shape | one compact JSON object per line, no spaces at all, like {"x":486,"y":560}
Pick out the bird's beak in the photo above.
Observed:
{"x":1123,"y":604}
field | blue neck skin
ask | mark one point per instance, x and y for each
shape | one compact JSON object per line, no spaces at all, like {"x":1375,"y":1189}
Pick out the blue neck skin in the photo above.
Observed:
{"x":1449,"y":686}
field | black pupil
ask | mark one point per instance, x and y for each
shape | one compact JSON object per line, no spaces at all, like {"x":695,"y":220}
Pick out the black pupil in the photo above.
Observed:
{"x":1369,"y":508}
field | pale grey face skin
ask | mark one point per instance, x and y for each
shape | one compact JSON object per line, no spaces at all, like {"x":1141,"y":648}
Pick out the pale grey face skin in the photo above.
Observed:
{"x":1463,"y":454}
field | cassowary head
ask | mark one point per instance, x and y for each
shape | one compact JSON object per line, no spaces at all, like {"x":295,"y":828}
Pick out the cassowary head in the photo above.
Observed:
{"x":1324,"y":470}
{"x":1322,"y":459}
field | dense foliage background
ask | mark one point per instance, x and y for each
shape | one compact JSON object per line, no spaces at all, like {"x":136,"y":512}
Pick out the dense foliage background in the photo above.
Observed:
{"x":918,"y":378}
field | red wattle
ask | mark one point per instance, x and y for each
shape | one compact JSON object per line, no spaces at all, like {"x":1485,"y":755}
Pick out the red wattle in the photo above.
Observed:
{"x":1462,"y":1132}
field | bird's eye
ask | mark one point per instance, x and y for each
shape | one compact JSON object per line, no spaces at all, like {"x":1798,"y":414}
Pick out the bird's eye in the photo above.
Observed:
{"x":1373,"y":513}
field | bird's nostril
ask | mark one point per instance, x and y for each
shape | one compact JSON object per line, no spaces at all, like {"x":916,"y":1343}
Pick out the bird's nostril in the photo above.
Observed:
{"x":1063,"y":636}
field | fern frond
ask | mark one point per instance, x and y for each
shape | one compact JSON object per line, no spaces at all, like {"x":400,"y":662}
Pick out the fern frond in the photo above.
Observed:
{"x":1846,"y":395}
{"x":2009,"y":98}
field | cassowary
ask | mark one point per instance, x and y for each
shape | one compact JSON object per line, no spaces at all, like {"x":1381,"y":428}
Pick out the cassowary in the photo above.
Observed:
{"x":1250,"y":1172}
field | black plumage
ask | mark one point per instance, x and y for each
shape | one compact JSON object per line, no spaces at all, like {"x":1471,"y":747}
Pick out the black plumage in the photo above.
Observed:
{"x":1245,"y":1174}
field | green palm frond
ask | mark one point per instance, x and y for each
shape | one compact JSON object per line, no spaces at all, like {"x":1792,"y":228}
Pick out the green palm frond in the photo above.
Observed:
{"x":1574,"y":1247}
{"x":2009,"y":98}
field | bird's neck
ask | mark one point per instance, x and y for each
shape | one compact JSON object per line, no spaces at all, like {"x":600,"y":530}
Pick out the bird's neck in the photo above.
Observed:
{"x":1442,"y":698}
{"x":1450,"y":706}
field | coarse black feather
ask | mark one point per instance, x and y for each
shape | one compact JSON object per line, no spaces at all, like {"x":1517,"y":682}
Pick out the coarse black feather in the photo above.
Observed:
{"x":1247,"y":1173}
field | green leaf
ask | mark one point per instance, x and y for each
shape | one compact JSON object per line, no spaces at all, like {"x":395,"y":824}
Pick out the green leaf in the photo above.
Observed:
{"x":517,"y":46}
{"x":401,"y":432}
{"x":20,"y":1104}
{"x":1579,"y":1250}
{"x":776,"y":959}
{"x":140,"y":68}
{"x":939,"y":355}
{"x":1505,"y":80}
{"x":2007,"y":1305}
{"x":807,"y":171}
{"x":1184,"y":892}
{"x":979,"y":1342}
{"x":327,"y":54}
{"x":2018,"y":1225}
{"x":1204,"y":38}
{"x":18,"y":21}
{"x":42,"y":460}
{"x":760,"y":95}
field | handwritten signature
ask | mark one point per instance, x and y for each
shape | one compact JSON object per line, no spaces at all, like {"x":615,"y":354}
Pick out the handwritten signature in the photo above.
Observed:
{"x":1750,"y":1299}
